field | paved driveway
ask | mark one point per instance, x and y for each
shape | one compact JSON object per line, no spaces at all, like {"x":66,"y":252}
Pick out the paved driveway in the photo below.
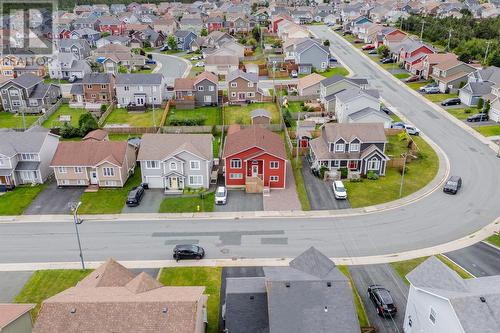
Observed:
{"x":320,"y":193}
{"x":54,"y":200}
{"x":364,"y":276}
{"x":240,"y":201}
{"x":479,"y":259}
{"x":150,"y":202}
{"x":11,"y":284}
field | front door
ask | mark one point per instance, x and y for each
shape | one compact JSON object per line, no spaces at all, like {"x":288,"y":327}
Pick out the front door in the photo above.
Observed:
{"x":241,"y":96}
{"x":174,"y":183}
{"x":255,"y":170}
{"x":139,"y":100}
{"x":79,"y":98}
{"x":93,"y":177}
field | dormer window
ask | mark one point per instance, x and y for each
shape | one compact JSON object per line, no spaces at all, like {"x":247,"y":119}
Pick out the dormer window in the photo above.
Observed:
{"x":339,"y":147}
{"x":354,"y":147}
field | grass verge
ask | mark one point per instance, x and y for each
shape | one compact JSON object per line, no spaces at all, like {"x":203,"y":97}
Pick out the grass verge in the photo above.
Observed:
{"x":401,"y":75}
{"x":16,"y":201}
{"x":360,"y":309}
{"x":438,"y":98}
{"x":191,"y":204}
{"x":488,"y":130}
{"x":299,"y":180}
{"x":46,"y":283}
{"x":335,"y":71}
{"x":210,"y":277}
{"x":461,"y":113}
{"x":494,"y":240}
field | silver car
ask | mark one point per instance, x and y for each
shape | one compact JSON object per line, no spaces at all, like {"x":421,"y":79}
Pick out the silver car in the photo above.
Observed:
{"x":221,"y":195}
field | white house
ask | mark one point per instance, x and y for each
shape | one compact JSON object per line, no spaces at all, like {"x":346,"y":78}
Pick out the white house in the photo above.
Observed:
{"x":479,"y":85}
{"x":441,"y":301}
{"x":355,"y":105}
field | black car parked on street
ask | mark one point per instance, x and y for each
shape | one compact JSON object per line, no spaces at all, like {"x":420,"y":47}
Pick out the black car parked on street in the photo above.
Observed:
{"x":188,"y":251}
{"x":382,"y":300}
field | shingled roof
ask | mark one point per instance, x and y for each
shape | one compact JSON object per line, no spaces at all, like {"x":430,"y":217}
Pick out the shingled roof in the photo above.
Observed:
{"x":254,"y":136}
{"x":89,"y":153}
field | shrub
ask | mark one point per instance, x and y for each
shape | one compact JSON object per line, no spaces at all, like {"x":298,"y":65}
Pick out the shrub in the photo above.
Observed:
{"x":468,"y":110}
{"x":104,"y":107}
{"x":68,"y":131}
{"x":372,"y":175}
{"x":406,"y":169}
{"x":322,"y":171}
{"x":87,"y":123}
{"x":197,"y":121}
{"x":343,"y":173}
{"x":287,"y":118}
{"x":480,"y":103}
{"x":356,"y":180}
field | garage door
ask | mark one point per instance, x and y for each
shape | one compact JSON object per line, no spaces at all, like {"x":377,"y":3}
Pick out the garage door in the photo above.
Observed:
{"x":155,"y":182}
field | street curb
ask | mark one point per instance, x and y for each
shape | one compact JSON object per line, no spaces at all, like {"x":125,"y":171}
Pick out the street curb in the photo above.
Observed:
{"x":455,"y":263}
{"x":159,"y":65}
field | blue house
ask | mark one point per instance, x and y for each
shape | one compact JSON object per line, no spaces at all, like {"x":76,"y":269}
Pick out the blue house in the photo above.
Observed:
{"x":184,"y":39}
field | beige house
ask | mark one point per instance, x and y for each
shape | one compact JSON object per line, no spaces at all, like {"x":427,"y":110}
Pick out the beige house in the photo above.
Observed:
{"x":310,"y":85}
{"x":91,"y":162}
{"x":16,"y":318}
{"x":450,"y":74}
{"x":113,"y":299}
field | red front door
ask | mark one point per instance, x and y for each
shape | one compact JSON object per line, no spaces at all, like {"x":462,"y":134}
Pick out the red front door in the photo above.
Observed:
{"x":353,"y":165}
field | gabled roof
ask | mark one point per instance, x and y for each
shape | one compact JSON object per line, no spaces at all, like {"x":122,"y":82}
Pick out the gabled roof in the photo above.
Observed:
{"x":366,"y":132}
{"x":251,"y":77}
{"x":97,"y":134}
{"x":336,"y":78}
{"x":147,"y":79}
{"x":26,"y":80}
{"x":206,"y":76}
{"x":254,"y":136}
{"x":260,"y":113}
{"x":478,"y":88}
{"x":308,"y":43}
{"x":12,"y":143}
{"x":97,"y":78}
{"x":160,"y":146}
{"x":89,"y":153}
{"x":352,"y":93}
{"x":10,"y":312}
{"x":367,"y":111}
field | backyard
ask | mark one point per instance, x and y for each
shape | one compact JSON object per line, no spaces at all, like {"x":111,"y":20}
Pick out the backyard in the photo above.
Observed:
{"x":188,"y":204}
{"x":64,"y":110}
{"x":16,"y":201}
{"x":108,"y":200}
{"x":12,"y":120}
{"x":210,"y":114}
{"x":236,"y":114}
{"x":120,"y":116}
{"x":419,"y":173}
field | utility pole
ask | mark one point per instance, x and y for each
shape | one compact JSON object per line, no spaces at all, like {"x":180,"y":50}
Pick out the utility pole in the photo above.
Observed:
{"x":153,"y":100}
{"x":449,"y":40}
{"x":403,"y":175}
{"x":422,"y":31}
{"x":487,"y":50}
{"x":74,"y":208}
{"x":298,"y":140}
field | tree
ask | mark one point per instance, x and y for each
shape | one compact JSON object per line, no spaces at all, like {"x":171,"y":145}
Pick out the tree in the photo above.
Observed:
{"x":87,"y":123}
{"x":480,"y":103}
{"x":326,"y":42}
{"x":68,"y":131}
{"x":256,"y":32}
{"x":254,"y":7}
{"x":203,"y":32}
{"x":494,"y":60}
{"x":172,"y":42}
{"x":383,"y":51}
{"x":147,"y":44}
{"x":122,"y":69}
{"x":486,"y":108}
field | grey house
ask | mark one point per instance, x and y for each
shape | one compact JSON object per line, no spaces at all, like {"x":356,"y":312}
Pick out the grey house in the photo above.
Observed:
{"x":330,"y":87}
{"x":479,"y":84}
{"x":310,"y":295}
{"x":359,"y":147}
{"x":29,"y":94}
{"x":66,"y":65}
{"x":88,"y":34}
{"x":201,"y":90}
{"x":184,"y":39}
{"x":174,"y":162}
{"x":90,"y":21}
{"x":79,"y":47}
{"x":311,"y":54}
{"x":25,"y":156}
{"x":140,"y":89}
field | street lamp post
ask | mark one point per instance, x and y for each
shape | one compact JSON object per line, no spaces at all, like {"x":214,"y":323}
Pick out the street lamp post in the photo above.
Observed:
{"x":403,"y":175}
{"x":77,"y":221}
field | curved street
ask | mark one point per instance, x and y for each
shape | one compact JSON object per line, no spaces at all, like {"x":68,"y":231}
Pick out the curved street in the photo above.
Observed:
{"x":171,"y":67}
{"x":435,"y":219}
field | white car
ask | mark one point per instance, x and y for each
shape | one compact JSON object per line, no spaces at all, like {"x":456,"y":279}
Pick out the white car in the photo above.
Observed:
{"x":196,"y":57}
{"x":412,"y":130}
{"x":339,"y":190}
{"x":199,"y":64}
{"x":294,"y":74}
{"x":221,"y":195}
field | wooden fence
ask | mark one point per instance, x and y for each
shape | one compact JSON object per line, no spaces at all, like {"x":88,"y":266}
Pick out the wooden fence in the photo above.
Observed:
{"x":105,"y":115}
{"x":47,"y":114}
{"x":297,"y":98}
{"x":130,"y":130}
{"x":165,"y":114}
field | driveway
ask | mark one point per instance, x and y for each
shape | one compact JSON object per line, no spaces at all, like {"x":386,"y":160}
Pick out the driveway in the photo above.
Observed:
{"x":54,"y":200}
{"x":11,"y":284}
{"x":150,"y":202}
{"x":320,"y":193}
{"x":240,"y":201}
{"x":364,"y":276}
{"x":284,"y":199}
{"x":479,"y":259}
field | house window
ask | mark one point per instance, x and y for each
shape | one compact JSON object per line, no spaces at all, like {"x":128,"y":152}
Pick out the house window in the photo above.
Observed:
{"x":432,"y":316}
{"x":80,"y":182}
{"x":250,"y":94}
{"x":373,"y":164}
{"x":92,"y":95}
{"x":103,"y":86}
{"x":233,"y":94}
{"x":152,"y":165}
{"x":28,"y":157}
{"x":234,"y":84}
{"x":274,"y":164}
{"x":89,"y":86}
{"x":108,"y":172}
{"x":236,"y":176}
{"x":195,"y":180}
{"x":62,"y":170}
{"x":236,"y":164}
{"x":16,"y":103}
{"x":78,"y":170}
{"x":339,"y":147}
{"x":126,"y":88}
{"x":274,"y":179}
{"x":194,"y":165}
{"x":173,"y":166}
{"x":354,"y":146}
{"x":250,"y":84}
{"x":201,"y":88}
{"x":33,"y":102}
{"x":335,"y":163}
{"x":65,"y":182}
{"x":323,"y":65}
{"x":2,"y":162}
{"x":14,"y":92}
{"x":110,"y":183}
{"x":211,"y":88}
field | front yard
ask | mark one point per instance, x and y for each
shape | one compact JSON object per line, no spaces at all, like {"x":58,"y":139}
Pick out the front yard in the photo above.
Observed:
{"x":108,"y":200}
{"x":11,"y":120}
{"x":331,"y":71}
{"x":418,"y":174}
{"x":16,"y":201}
{"x":494,"y":240}
{"x":462,"y":113}
{"x":210,"y":277}
{"x":64,"y":110}
{"x":488,"y":130}
{"x":188,"y":204}
{"x":121,"y":117}
{"x":209,"y":115}
{"x":438,"y":98}
{"x":236,"y":114}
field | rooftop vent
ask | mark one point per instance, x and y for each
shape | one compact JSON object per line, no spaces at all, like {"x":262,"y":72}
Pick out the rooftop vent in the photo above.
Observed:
{"x":328,"y":284}
{"x":73,"y":310}
{"x":287,"y":284}
{"x":326,"y":309}
{"x":252,"y":297}
{"x":482,"y":299}
{"x":164,"y":310}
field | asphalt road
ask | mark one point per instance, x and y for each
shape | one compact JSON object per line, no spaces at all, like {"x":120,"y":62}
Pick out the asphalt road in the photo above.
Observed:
{"x":479,"y":259}
{"x":363,"y":277}
{"x":433,"y":220}
{"x":172,"y":67}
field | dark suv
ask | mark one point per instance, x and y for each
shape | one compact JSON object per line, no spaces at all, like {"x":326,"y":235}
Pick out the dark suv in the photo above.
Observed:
{"x":382,"y":299}
{"x":188,"y":251}
{"x":135,"y":196}
{"x":452,"y":185}
{"x":478,"y":117}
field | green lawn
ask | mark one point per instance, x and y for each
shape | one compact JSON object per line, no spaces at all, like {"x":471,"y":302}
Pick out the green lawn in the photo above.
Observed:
{"x":16,"y":201}
{"x":488,"y":130}
{"x":360,"y":309}
{"x":144,"y":71}
{"x":494,"y":239}
{"x":210,"y":277}
{"x":212,"y":114}
{"x":64,"y":109}
{"x":108,"y":200}
{"x":190,"y":204}
{"x":401,"y":75}
{"x":295,"y":106}
{"x":388,"y":66}
{"x":394,"y":117}
{"x":419,"y":173}
{"x":236,"y":114}
{"x":461,"y":113}
{"x":133,"y":119}
{"x":405,"y":267}
{"x":438,"y":98}
{"x":216,"y":145}
{"x":331,"y":71}
{"x":123,"y":137}
{"x":46,"y":283}
{"x":55,"y":81}
{"x":417,"y":85}
{"x":11,"y":120}
{"x":299,"y":180}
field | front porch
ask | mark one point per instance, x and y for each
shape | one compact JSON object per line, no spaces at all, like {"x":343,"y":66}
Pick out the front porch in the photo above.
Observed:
{"x":6,"y":181}
{"x":174,"y":183}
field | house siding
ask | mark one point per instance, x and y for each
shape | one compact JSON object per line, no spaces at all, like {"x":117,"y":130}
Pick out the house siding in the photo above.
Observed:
{"x":200,"y":95}
{"x":241,"y":88}
{"x":314,"y":56}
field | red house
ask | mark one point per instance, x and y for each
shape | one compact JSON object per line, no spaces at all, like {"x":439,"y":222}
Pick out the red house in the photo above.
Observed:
{"x":254,"y":158}
{"x":111,"y":25}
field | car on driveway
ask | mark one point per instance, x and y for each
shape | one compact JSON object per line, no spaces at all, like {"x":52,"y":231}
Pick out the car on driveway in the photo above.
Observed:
{"x":452,"y":185}
{"x":358,"y":41}
{"x":150,"y":61}
{"x":221,"y":195}
{"x":294,"y":74}
{"x":382,"y":300}
{"x":374,"y":51}
{"x":427,"y":86}
{"x":430,"y":90}
{"x":199,"y":64}
{"x":164,"y":48}
{"x":368,"y":47}
{"x":387,"y":61}
{"x":135,"y":196}
{"x":451,"y":101}
{"x":478,"y":117}
{"x":196,"y":58}
{"x":412,"y":78}
{"x":385,"y":110}
{"x":398,"y":125}
{"x":339,"y":190}
{"x":188,"y":251}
